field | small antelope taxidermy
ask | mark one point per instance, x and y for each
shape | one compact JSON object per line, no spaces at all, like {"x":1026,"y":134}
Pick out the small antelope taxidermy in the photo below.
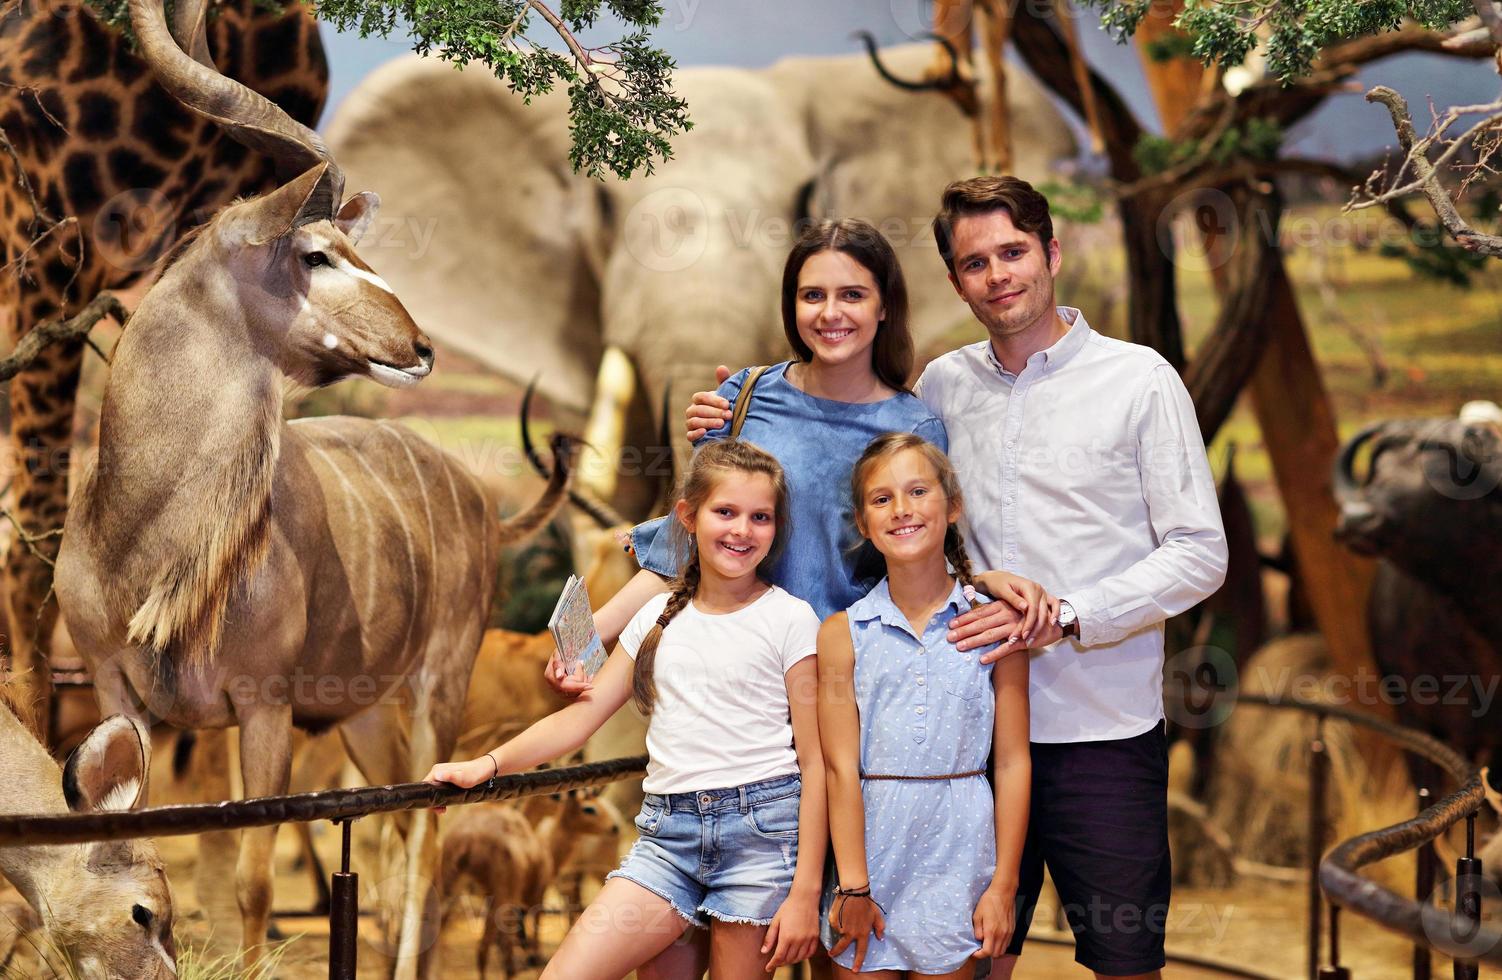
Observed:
{"x":105,"y":906}
{"x":223,"y":567}
{"x":509,"y":854}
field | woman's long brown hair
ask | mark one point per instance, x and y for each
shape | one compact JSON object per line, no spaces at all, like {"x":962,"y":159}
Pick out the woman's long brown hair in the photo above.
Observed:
{"x":711,"y":464}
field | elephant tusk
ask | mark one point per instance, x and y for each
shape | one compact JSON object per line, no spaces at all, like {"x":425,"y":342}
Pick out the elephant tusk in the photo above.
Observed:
{"x":605,"y":432}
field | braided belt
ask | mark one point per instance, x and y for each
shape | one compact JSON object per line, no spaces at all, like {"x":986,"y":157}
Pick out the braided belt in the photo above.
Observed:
{"x":953,"y":775}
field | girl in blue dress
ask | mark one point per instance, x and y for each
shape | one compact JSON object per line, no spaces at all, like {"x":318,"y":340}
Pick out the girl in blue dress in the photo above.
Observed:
{"x":906,"y":722}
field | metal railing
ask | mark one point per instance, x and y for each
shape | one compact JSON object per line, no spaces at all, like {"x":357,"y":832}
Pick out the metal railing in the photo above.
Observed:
{"x":1335,"y":881}
{"x":343,"y":806}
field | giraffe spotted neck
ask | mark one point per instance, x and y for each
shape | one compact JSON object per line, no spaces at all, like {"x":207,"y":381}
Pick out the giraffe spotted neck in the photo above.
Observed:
{"x":98,"y":140}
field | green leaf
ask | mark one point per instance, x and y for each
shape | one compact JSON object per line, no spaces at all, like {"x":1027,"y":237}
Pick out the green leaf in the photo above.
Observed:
{"x":623,"y":112}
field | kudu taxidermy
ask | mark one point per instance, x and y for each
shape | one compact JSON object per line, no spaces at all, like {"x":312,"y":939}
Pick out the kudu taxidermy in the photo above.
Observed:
{"x":223,"y":567}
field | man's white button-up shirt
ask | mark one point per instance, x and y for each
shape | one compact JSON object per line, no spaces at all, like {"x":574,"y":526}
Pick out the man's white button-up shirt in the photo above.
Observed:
{"x":1086,"y":472}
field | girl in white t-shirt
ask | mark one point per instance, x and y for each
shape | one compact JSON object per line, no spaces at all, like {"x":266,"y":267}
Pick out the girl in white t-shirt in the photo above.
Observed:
{"x":733,"y":827}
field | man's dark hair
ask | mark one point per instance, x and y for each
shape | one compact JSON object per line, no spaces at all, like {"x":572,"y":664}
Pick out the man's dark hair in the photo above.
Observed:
{"x":982,"y":195}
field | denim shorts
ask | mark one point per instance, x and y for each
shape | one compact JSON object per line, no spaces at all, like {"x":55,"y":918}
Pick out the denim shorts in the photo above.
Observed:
{"x":727,"y":854}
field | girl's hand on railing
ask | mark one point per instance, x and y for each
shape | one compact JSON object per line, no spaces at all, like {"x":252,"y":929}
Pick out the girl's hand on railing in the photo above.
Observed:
{"x":462,"y":774}
{"x":793,"y":935}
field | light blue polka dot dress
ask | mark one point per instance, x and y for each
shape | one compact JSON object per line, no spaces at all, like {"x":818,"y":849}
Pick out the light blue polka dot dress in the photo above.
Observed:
{"x":925,"y":709}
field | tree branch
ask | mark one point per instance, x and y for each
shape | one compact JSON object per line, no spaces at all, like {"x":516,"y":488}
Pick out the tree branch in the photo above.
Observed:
{"x":50,"y":332}
{"x":1427,"y":177}
{"x":586,"y":63}
{"x":1491,"y":19}
{"x":1362,"y":50}
{"x":1175,"y":175}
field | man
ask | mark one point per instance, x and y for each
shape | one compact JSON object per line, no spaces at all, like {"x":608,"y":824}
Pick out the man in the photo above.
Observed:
{"x":1083,"y":469}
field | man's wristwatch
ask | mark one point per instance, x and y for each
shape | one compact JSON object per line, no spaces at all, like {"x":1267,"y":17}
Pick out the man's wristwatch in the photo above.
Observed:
{"x":1067,"y":621}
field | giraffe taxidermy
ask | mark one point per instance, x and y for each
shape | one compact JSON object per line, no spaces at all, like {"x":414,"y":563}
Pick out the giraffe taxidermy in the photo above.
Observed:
{"x":107,"y":171}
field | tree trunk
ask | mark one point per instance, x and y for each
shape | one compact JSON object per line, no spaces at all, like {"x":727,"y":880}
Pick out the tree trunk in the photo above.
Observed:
{"x":1287,"y":392}
{"x":1176,"y":83}
{"x":1298,"y":427}
{"x":1152,"y":312}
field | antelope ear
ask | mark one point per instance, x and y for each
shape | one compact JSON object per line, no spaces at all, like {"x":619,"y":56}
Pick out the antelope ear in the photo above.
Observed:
{"x":358,"y":212}
{"x":306,"y":198}
{"x":108,"y":769}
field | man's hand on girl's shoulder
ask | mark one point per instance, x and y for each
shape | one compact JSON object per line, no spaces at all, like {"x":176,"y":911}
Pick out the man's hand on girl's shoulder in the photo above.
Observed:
{"x":708,"y":410}
{"x":1021,"y":617}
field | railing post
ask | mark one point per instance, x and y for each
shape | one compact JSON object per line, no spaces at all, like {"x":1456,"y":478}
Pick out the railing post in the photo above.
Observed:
{"x":1318,"y":763}
{"x":1423,"y":884}
{"x":1467,"y":898}
{"x":344,"y":914}
{"x":1334,"y":971}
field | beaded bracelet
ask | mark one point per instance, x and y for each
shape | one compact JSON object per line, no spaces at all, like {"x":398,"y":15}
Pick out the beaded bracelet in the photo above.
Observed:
{"x":840,"y":894}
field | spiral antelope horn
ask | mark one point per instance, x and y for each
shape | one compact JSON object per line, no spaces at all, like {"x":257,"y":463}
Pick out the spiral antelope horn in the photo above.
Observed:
{"x":247,"y":116}
{"x":937,"y":85}
{"x":602,"y":513}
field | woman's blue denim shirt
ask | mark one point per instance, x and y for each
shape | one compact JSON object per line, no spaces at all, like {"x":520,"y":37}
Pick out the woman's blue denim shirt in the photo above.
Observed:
{"x":817,"y":441}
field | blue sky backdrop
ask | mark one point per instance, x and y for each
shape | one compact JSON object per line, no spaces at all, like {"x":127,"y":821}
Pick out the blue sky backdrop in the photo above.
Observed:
{"x":755,"y":33}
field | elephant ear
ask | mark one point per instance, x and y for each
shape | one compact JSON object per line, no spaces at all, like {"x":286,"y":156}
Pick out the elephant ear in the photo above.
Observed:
{"x":885,"y":154}
{"x":483,"y":230}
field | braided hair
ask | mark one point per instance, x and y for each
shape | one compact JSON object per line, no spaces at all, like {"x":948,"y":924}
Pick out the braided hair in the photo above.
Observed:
{"x":870,"y":563}
{"x":711,"y":464}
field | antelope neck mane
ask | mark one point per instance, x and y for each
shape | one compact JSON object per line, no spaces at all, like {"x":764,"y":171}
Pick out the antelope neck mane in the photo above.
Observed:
{"x":188,"y":519}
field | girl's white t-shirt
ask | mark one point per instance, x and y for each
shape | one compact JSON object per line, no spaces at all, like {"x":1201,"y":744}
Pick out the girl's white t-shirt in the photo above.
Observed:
{"x":721,"y":717}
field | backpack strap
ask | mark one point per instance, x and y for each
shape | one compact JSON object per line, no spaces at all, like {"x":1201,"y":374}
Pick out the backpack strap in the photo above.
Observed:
{"x":743,"y":401}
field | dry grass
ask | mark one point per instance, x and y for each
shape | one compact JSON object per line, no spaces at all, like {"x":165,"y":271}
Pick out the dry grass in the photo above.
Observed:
{"x":1261,"y":782}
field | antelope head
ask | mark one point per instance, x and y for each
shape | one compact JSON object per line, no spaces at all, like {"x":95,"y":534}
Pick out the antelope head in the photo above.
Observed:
{"x":313,"y":306}
{"x":106,"y":906}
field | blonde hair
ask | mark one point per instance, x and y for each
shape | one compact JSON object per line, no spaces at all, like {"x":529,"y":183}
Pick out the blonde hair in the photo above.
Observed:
{"x":870,"y":563}
{"x":711,"y":464}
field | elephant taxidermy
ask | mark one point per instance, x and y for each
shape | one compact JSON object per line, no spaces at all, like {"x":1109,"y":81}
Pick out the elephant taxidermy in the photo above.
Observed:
{"x":501,"y":251}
